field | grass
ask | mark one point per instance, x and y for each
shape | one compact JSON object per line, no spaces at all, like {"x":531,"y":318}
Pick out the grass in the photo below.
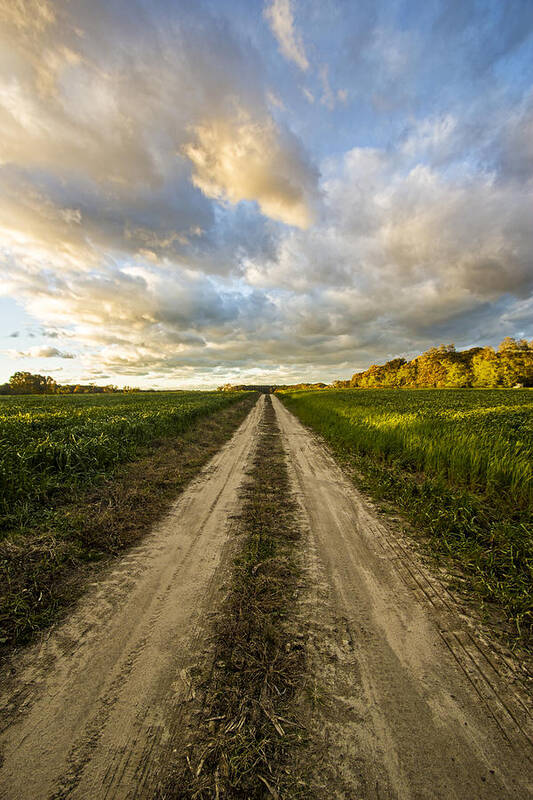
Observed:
{"x":458,"y":463}
{"x":245,"y":731}
{"x":56,"y":445}
{"x":45,"y":563}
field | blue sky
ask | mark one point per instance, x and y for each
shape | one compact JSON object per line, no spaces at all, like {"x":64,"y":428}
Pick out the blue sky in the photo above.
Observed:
{"x":195,"y":192}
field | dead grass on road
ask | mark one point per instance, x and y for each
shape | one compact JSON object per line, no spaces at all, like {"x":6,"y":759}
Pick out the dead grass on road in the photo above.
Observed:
{"x":243,"y":731}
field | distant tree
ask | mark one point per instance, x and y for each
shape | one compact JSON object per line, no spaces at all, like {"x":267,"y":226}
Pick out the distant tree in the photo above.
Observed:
{"x":485,"y":368}
{"x":340,"y":384}
{"x":512,"y":364}
{"x":444,"y":366}
{"x":432,"y":367}
{"x":51,"y":385}
{"x":407,"y":374}
{"x":458,"y":376}
{"x":27,"y":383}
{"x":390,"y":372}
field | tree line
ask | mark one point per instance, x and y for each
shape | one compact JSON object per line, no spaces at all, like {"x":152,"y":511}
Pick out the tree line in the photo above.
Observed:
{"x":28,"y":383}
{"x":510,"y":365}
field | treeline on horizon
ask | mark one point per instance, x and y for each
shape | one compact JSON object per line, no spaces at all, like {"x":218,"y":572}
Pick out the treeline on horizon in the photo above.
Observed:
{"x":28,"y":383}
{"x":511,"y":364}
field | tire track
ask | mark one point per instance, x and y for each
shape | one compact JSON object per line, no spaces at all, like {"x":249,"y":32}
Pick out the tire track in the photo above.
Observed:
{"x":422,"y":710}
{"x":96,"y":722}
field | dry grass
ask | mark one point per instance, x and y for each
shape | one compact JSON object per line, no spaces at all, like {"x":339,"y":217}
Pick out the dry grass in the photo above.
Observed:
{"x":244,"y":727}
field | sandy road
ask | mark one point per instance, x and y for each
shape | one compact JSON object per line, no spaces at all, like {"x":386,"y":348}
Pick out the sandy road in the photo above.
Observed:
{"x":103,"y":691}
{"x":422,"y":710}
{"x":419,"y":709}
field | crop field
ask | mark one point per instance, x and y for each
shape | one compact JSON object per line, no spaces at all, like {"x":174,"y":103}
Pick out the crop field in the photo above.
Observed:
{"x":458,"y":462}
{"x":479,"y":439}
{"x":49,"y":444}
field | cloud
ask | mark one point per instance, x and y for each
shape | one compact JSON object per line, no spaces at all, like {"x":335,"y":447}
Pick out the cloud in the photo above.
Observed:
{"x":328,"y":97}
{"x":280,"y":17}
{"x":29,"y":15}
{"x":177,"y":205}
{"x":40,"y":352}
{"x":401,"y":255}
{"x":243,"y":159}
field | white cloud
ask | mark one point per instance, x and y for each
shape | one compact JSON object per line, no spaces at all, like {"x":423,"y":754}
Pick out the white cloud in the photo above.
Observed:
{"x":40,"y":352}
{"x":242,"y":159}
{"x":280,"y":17}
{"x":328,"y":96}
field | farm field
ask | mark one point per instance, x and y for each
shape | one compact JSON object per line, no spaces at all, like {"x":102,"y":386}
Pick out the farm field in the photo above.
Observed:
{"x":458,"y":462}
{"x":52,"y":444}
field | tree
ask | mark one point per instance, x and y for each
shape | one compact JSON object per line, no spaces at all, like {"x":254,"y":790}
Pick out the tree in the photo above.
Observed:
{"x":340,"y":384}
{"x":485,"y":368}
{"x":27,"y":383}
{"x":444,"y":366}
{"x":407,"y":374}
{"x":512,"y":363}
{"x":458,"y":376}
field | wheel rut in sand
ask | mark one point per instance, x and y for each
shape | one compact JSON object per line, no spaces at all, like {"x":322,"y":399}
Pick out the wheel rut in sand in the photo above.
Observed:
{"x":418,"y":708}
{"x":103,"y":690}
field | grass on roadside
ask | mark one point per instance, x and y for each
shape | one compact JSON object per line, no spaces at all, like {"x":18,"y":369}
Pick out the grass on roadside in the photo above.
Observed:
{"x":245,"y":730}
{"x":44,"y":566}
{"x":486,"y":533}
{"x":52,"y":445}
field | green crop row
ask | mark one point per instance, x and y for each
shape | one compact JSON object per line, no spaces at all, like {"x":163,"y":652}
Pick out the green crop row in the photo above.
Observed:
{"x":50,"y":444}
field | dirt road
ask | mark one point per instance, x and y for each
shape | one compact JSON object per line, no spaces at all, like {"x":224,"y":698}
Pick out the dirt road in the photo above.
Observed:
{"x":100,"y":691}
{"x":417,"y":707}
{"x":420,"y":709}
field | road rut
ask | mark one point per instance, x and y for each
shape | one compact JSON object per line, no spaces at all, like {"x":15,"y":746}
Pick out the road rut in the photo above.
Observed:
{"x":425,"y":712}
{"x":102,"y":692}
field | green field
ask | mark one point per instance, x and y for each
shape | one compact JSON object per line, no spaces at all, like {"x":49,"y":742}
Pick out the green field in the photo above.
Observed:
{"x":459,"y":462}
{"x":481,"y":439}
{"x":50,"y":444}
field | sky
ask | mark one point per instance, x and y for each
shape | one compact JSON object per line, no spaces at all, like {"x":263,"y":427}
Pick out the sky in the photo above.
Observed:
{"x":195,"y":192}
